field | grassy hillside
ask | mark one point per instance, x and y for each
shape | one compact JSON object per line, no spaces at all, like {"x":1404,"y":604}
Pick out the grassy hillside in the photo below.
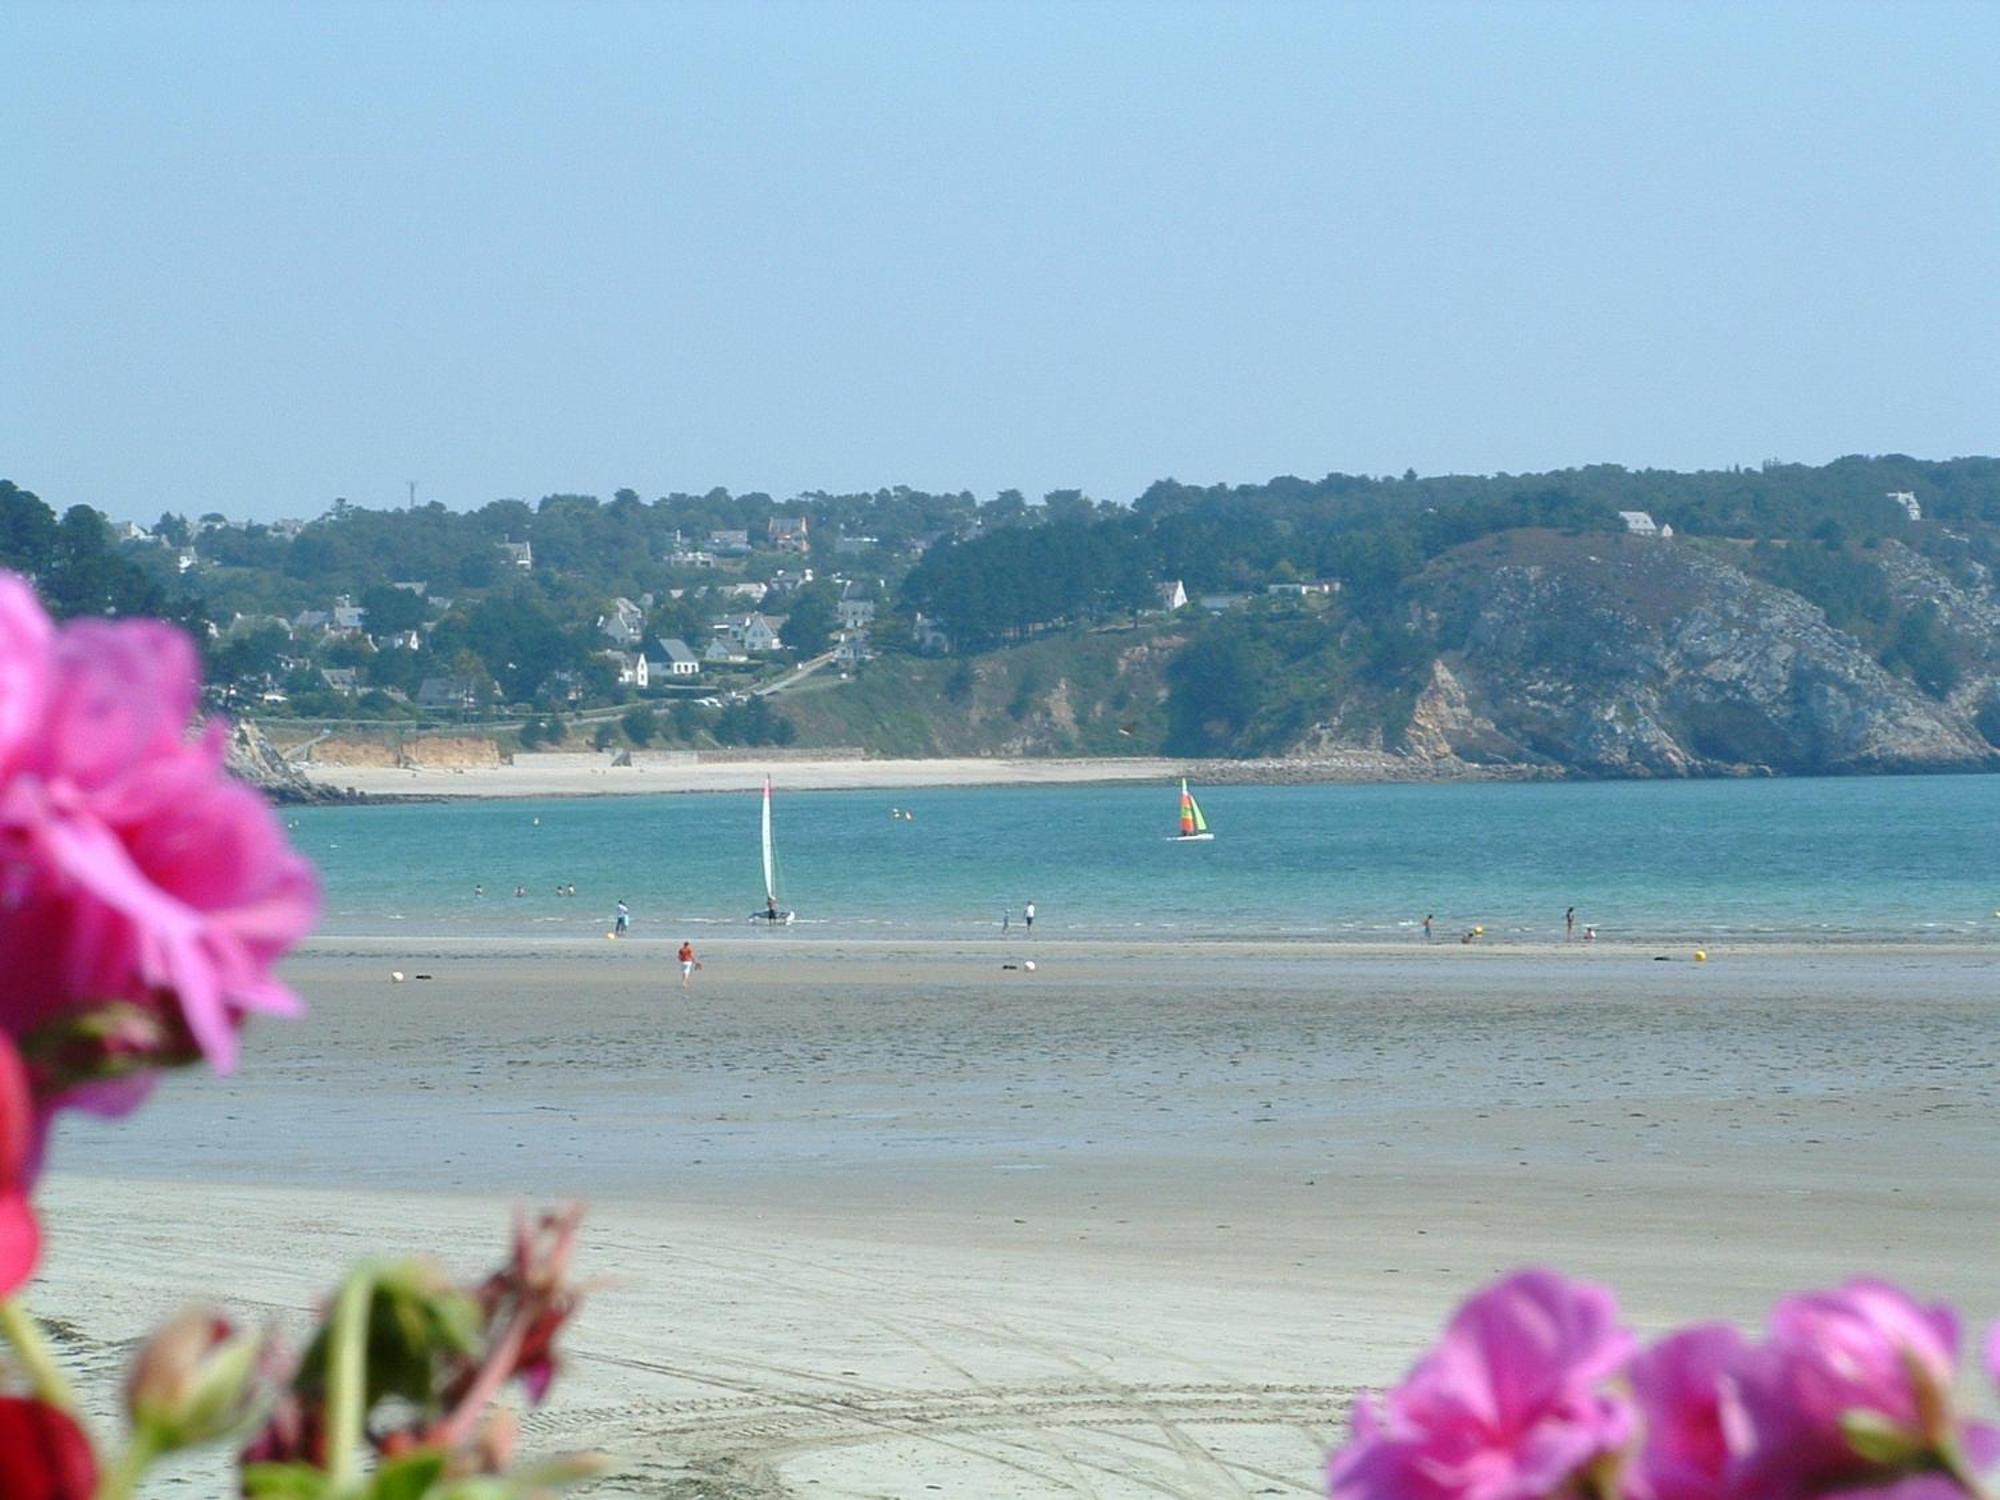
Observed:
{"x":1096,"y":693}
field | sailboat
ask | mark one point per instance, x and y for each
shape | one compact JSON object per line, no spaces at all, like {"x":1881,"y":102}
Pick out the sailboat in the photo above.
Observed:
{"x":1194,"y":827}
{"x":772,"y":912}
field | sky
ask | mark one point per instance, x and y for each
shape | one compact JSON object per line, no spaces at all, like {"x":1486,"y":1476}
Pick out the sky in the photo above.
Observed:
{"x":258,"y":256}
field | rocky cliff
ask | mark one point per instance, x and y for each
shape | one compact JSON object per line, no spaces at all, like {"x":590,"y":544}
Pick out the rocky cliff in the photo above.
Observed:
{"x":253,"y":758}
{"x":1623,"y":656}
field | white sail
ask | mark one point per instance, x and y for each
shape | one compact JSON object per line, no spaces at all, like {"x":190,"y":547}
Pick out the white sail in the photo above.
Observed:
{"x":770,"y":857}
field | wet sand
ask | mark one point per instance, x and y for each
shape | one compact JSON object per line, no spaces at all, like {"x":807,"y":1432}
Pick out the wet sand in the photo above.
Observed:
{"x":886,"y":1219}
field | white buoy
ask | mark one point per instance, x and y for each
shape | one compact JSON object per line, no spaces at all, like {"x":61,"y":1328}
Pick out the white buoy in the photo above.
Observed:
{"x":1029,"y":965}
{"x":395,"y":976}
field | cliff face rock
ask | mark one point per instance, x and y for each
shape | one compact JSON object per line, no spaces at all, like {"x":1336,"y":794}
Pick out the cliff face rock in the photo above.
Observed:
{"x":1444,"y":726}
{"x":254,"y":759}
{"x":1967,"y":601}
{"x":1623,"y":656}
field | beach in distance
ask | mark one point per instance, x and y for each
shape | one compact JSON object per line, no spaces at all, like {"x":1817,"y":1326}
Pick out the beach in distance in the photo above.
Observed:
{"x":889,"y":1218}
{"x":583,"y":775}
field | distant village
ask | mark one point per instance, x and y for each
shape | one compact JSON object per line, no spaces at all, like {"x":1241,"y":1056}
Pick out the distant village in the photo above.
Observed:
{"x":757,"y":612}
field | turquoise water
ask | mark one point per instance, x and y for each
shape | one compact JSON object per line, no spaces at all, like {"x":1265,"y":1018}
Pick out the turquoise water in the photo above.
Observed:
{"x":1907,"y":858}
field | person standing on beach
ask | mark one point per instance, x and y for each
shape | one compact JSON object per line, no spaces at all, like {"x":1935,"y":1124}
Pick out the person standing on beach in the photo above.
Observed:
{"x":1028,"y":915}
{"x":688,"y":963}
{"x":1006,"y":918}
{"x":622,"y":920}
{"x":1427,"y":925}
{"x":1569,"y":925}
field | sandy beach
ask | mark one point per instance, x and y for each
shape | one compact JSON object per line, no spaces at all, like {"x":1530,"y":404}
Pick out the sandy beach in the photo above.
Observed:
{"x":890,"y":1220}
{"x":593,"y":776}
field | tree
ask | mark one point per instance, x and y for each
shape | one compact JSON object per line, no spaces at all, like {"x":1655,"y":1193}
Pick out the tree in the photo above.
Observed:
{"x":392,"y":610}
{"x":1215,"y":686}
{"x":27,"y":529}
{"x":809,"y":627}
{"x":640,"y":725}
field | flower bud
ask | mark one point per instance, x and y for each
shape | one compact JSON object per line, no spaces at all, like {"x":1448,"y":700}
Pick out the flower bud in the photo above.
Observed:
{"x":194,"y":1382}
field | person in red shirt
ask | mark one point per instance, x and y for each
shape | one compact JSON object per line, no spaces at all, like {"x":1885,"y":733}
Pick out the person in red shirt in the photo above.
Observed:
{"x":688,"y":964}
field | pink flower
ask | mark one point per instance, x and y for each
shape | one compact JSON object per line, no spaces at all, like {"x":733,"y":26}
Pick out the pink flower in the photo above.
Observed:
{"x":1680,"y":1386}
{"x":132,"y":867}
{"x":1506,"y":1407}
{"x":43,"y":1453}
{"x":1852,"y":1384}
{"x":20,"y":1238}
{"x":25,"y":633}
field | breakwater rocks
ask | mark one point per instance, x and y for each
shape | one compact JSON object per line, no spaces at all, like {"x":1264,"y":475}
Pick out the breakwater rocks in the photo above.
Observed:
{"x":254,"y":759}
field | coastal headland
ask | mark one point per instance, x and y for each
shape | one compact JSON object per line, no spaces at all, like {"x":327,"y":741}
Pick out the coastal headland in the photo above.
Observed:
{"x":892,"y":1218}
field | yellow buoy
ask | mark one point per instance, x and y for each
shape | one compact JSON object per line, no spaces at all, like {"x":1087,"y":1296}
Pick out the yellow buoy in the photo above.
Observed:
{"x":1701,"y":955}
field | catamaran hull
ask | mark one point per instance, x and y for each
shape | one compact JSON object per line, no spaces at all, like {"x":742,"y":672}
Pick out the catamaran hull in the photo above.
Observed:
{"x":782,"y":919}
{"x":1193,"y":838}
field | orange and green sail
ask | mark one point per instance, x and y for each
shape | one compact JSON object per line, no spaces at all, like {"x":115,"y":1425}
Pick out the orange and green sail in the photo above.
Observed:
{"x":1192,"y":822}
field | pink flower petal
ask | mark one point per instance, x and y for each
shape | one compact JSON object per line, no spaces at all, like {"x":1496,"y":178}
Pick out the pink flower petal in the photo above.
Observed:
{"x":25,"y":633}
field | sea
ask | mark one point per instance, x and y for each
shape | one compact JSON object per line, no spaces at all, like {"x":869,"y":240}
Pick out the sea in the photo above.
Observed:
{"x":1860,"y":859}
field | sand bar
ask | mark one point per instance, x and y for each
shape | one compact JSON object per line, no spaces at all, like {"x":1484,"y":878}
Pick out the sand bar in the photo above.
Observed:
{"x":571,"y":779}
{"x":890,"y":1220}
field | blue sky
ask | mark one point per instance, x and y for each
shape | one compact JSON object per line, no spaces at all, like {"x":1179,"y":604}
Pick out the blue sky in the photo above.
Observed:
{"x":262,"y":255}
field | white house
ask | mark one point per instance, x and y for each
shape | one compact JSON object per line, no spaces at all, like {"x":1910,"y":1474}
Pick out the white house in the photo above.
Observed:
{"x":1638,"y":523}
{"x":631,"y":667}
{"x":348,"y":618}
{"x":755,"y":633}
{"x":673,"y":658}
{"x":788,"y":533}
{"x":520,"y":554}
{"x":927,"y":635}
{"x":1172,"y":595}
{"x":625,"y":623}
{"x":1908,"y":500}
{"x":723,"y":650}
{"x":729,"y":541}
{"x":853,"y":650}
{"x":691,"y":557}
{"x":855,"y":614}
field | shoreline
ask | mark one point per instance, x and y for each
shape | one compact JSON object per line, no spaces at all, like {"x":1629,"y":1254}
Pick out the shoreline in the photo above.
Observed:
{"x":525,"y":779}
{"x":1973,"y":948}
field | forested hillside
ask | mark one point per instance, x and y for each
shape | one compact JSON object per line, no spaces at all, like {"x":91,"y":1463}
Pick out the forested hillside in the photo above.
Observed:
{"x":1790,"y":618}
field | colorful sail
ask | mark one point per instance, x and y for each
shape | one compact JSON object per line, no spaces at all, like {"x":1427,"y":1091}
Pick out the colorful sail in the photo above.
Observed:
{"x":1193,"y":825}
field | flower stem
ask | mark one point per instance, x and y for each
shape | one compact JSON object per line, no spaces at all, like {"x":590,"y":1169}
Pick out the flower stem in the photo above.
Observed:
{"x":347,"y":1379}
{"x":19,"y":1330}
{"x":123,"y":1479}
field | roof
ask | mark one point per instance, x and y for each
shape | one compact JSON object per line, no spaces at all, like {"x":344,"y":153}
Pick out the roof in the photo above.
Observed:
{"x":673,"y":648}
{"x":441,"y":691}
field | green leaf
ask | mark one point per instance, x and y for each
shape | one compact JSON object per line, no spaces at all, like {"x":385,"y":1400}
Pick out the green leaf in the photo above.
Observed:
{"x":407,"y":1478}
{"x":1879,"y":1440}
{"x":284,"y":1482}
